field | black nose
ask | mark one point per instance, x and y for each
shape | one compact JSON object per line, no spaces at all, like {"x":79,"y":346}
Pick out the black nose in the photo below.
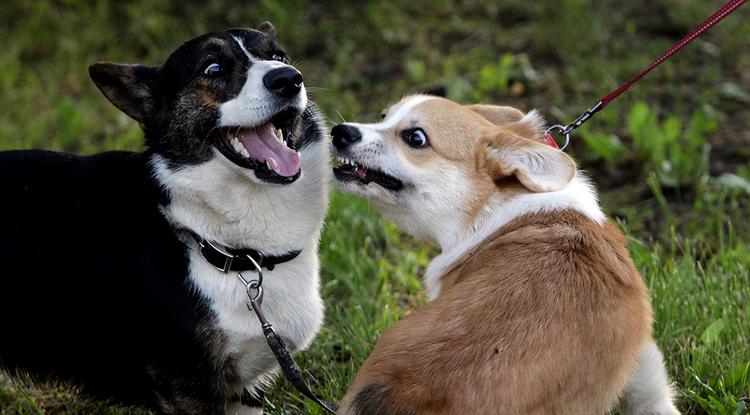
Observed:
{"x":344,"y":135}
{"x":285,"y":81}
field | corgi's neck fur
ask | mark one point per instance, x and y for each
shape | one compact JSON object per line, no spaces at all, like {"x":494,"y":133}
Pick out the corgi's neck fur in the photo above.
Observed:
{"x":578,"y":195}
{"x":220,"y":203}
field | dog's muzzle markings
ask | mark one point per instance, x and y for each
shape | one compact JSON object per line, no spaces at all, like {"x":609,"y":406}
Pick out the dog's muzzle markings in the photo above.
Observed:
{"x":344,"y":136}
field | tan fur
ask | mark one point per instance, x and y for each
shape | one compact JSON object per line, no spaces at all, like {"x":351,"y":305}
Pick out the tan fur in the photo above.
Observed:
{"x":506,"y":154}
{"x":447,"y":124}
{"x":455,"y":132}
{"x":544,"y":317}
{"x":496,"y":114}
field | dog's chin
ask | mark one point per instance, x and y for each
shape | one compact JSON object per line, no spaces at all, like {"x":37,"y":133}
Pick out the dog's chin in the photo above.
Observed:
{"x":264,"y":153}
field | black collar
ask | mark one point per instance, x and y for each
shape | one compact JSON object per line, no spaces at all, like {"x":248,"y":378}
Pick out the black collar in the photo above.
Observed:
{"x":228,"y":259}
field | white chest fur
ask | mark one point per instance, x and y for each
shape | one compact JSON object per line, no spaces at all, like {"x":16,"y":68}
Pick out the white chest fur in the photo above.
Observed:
{"x":224,"y":203}
{"x":291,"y":303}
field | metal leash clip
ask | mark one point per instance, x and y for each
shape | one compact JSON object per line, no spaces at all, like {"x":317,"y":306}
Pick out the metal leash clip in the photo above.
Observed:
{"x":254,"y":291}
{"x":567,"y":129}
{"x":551,"y":141}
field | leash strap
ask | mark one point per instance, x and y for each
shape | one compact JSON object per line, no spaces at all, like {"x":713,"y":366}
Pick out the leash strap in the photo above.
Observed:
{"x":715,"y":18}
{"x":292,"y":372}
{"x":289,"y":367}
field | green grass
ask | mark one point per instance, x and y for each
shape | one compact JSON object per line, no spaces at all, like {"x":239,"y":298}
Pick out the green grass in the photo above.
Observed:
{"x":670,"y":157}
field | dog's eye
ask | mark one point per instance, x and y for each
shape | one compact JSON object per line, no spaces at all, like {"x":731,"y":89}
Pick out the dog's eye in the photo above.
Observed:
{"x":415,"y":137}
{"x":383,"y":114}
{"x":278,"y":56}
{"x":213,"y":70}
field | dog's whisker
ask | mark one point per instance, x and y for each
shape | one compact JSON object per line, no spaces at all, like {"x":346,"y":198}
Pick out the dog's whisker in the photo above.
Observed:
{"x":208,"y":135}
{"x":339,"y":115}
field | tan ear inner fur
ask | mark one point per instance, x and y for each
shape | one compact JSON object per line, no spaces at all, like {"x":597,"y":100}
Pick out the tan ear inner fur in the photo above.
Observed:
{"x":538,"y":167}
{"x":496,"y":114}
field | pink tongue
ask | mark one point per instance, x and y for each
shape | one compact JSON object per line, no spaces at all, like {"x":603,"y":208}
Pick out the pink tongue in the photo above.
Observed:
{"x":262,"y":145}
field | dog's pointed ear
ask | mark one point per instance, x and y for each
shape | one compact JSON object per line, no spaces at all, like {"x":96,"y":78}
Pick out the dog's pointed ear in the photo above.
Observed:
{"x":131,"y":88}
{"x":268,"y":28}
{"x":538,"y":167}
{"x":496,"y":114}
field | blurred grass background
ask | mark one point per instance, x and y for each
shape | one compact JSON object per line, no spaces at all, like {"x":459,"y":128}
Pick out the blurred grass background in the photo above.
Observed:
{"x":671,"y":158}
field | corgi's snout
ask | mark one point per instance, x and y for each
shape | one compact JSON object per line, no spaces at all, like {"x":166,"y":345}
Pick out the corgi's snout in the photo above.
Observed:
{"x":285,"y":81}
{"x":344,"y":135}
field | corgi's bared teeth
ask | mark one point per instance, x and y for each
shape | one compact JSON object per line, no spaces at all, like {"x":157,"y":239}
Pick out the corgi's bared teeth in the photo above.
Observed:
{"x":279,"y":134}
{"x":347,"y":162}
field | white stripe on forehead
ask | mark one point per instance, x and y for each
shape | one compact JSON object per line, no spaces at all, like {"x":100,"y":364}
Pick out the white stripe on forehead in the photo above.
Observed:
{"x":403,"y":111}
{"x":242,"y":46}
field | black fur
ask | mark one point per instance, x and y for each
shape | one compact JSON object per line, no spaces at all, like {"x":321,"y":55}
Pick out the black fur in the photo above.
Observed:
{"x":94,"y":283}
{"x":94,"y":286}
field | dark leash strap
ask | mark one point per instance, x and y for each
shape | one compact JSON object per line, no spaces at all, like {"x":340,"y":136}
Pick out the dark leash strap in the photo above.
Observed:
{"x":715,"y":18}
{"x":278,"y":346}
{"x":289,"y":367}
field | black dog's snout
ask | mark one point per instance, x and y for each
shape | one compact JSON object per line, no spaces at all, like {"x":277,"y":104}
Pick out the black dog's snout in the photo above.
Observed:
{"x":344,"y":135}
{"x":285,"y":81}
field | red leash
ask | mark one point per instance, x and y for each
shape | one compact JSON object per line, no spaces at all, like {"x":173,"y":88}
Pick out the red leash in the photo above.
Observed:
{"x":565,"y":131}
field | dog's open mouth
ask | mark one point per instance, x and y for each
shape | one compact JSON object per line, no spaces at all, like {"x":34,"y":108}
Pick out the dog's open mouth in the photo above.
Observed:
{"x":349,"y":171}
{"x":267,"y":148}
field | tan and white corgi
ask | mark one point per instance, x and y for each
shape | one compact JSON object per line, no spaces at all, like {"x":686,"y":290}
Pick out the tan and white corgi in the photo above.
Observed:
{"x":535,"y":305}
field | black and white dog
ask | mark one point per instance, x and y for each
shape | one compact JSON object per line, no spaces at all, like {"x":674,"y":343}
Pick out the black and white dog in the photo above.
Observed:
{"x":104,"y":282}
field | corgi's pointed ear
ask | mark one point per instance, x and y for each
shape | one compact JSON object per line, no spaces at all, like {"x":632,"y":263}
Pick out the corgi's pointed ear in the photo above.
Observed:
{"x":268,"y":28}
{"x":498,"y":115}
{"x":131,"y":88}
{"x":537,"y":166}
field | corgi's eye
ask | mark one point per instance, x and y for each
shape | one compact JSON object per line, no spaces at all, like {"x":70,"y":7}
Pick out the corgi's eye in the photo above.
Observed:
{"x":415,"y":138}
{"x":213,"y":70}
{"x":278,"y":56}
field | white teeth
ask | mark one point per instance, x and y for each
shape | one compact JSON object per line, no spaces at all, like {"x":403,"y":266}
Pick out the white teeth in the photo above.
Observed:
{"x":347,"y":161}
{"x":279,"y":134}
{"x":268,"y":165}
{"x":238,"y":147}
{"x":236,"y":144}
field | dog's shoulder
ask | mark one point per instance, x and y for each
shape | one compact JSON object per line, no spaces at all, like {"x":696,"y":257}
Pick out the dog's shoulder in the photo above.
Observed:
{"x":26,"y":165}
{"x":38,"y":175}
{"x":15,"y":163}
